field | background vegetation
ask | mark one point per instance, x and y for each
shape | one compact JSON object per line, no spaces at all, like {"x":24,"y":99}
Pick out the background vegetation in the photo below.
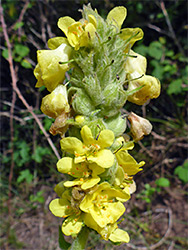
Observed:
{"x":156,"y":215}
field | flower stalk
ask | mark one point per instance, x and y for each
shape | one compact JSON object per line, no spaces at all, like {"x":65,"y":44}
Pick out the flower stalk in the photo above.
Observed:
{"x":105,"y":74}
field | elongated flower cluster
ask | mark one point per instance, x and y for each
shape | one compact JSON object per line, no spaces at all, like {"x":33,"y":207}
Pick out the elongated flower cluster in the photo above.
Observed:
{"x":104,"y":73}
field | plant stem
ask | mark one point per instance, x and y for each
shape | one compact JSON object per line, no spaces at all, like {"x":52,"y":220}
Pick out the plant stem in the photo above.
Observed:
{"x":80,"y":242}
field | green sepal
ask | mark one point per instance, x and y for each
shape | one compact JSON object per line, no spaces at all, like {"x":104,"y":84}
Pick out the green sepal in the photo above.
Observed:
{"x":117,"y":124}
{"x":63,"y":244}
{"x":114,"y":97}
{"x":81,"y":102}
{"x":81,"y":240}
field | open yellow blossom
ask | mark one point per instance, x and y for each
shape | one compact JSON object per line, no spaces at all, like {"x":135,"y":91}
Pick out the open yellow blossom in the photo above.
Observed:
{"x":91,"y":150}
{"x":136,"y":68}
{"x":79,"y":34}
{"x":116,"y":17}
{"x":85,"y":174}
{"x":109,"y":232}
{"x":125,"y":160}
{"x":103,"y":205}
{"x":49,"y":70}
{"x":66,"y":207}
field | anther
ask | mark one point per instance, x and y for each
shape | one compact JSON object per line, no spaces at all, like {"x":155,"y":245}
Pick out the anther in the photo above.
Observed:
{"x":118,"y":148}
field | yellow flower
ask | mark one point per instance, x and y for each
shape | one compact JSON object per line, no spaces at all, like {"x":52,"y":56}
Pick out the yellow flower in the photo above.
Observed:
{"x":116,"y":18}
{"x":139,"y":126}
{"x":86,"y":174}
{"x":49,"y":70}
{"x":109,"y":232}
{"x":103,"y":205}
{"x":79,"y":34}
{"x":56,"y":102}
{"x":136,"y":69}
{"x":67,"y":207}
{"x":125,"y":160}
{"x":91,"y":150}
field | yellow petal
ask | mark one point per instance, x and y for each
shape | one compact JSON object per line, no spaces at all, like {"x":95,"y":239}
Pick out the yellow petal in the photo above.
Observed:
{"x":128,"y":163}
{"x":59,"y":207}
{"x":103,"y":231}
{"x":131,"y":35}
{"x":87,"y":136}
{"x":72,"y":145}
{"x":64,"y":23}
{"x":76,"y":182}
{"x":90,"y":182}
{"x":110,"y":214}
{"x":119,"y":177}
{"x":38,"y":75}
{"x":51,"y":72}
{"x":72,"y":226}
{"x":118,"y":235}
{"x":90,"y":28}
{"x":104,"y":158}
{"x":55,"y":42}
{"x":56,"y":102}
{"x":151,"y":89}
{"x":96,"y":169}
{"x":64,"y":165}
{"x":117,"y":16}
{"x":106,"y":138}
{"x":92,"y":20}
{"x":76,"y":36}
{"x":138,"y":64}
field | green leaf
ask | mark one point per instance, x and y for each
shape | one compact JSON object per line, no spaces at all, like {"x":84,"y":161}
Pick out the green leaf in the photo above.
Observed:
{"x":5,"y":53}
{"x":18,"y":25}
{"x":158,"y":69}
{"x":63,"y":244}
{"x":25,"y":175}
{"x":26,"y":64}
{"x":37,"y":198}
{"x":21,"y":50}
{"x":162,"y":182}
{"x":80,"y":242}
{"x":155,"y":50}
{"x":175,"y":87}
{"x":39,"y":153}
{"x":182,"y":172}
{"x":141,"y":49}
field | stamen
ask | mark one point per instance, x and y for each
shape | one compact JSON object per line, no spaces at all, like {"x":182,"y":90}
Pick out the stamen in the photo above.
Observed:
{"x":99,"y":132}
{"x":118,"y":148}
{"x":89,"y":35}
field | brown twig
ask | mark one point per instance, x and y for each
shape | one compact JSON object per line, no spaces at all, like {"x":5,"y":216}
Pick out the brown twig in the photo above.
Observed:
{"x":16,"y":89}
{"x":20,"y":18}
{"x":159,"y":243}
{"x":171,"y":30}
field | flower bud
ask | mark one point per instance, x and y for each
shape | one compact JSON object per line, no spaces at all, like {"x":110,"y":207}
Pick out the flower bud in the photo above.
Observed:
{"x":139,"y":126}
{"x":56,"y":102}
{"x":80,"y":119}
